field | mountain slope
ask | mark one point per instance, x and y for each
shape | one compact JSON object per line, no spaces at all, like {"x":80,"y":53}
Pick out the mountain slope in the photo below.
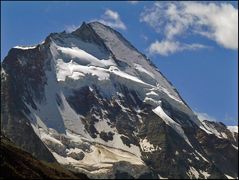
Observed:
{"x":16,"y":163}
{"x":102,"y":108}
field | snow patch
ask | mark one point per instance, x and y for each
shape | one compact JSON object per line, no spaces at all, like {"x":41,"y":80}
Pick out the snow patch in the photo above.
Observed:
{"x":146,"y":146}
{"x":193,"y":173}
{"x":233,"y":129}
{"x":161,"y":177}
{"x":44,"y":136}
{"x":130,"y":77}
{"x":25,"y":47}
{"x":224,"y":135}
{"x":64,"y":160}
{"x":210,"y":129}
{"x":151,"y":93}
{"x":201,"y":156}
{"x":160,"y":112}
{"x":151,"y":101}
{"x":229,"y":177}
{"x":125,"y":109}
{"x":166,"y":91}
{"x":141,"y":69}
{"x":235,"y":146}
{"x":205,"y":174}
{"x":100,"y":159}
{"x":102,"y":125}
{"x":76,"y":71}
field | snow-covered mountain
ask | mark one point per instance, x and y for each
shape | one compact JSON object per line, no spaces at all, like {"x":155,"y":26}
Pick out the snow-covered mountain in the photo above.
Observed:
{"x":94,"y":103}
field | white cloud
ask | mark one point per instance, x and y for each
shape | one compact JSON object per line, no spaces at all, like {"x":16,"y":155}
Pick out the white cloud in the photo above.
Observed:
{"x":216,"y":21}
{"x":167,"y":47}
{"x":112,"y":19}
{"x":133,"y":2}
{"x":111,"y":14}
{"x":204,"y":116}
{"x":71,"y":28}
{"x":109,"y":18}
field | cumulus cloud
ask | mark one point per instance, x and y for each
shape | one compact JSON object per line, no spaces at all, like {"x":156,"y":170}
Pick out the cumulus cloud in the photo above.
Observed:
{"x":167,"y":47}
{"x":111,"y":18}
{"x":204,"y":116}
{"x":216,"y":21}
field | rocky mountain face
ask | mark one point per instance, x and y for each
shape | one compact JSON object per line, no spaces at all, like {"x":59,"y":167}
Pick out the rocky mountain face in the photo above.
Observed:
{"x":92,"y":102}
{"x":16,"y":163}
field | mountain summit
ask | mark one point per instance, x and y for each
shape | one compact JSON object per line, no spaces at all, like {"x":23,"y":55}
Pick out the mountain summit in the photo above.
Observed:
{"x":91,"y":101}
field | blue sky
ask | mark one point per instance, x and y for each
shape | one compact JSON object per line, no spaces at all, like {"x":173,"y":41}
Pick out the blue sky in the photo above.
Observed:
{"x":195,"y":45}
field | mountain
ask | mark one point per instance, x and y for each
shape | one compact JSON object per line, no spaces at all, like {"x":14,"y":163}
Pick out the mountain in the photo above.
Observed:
{"x":92,"y":102}
{"x":16,"y":163}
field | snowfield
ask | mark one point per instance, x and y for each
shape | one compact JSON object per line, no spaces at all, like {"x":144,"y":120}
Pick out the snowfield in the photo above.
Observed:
{"x":233,"y":129}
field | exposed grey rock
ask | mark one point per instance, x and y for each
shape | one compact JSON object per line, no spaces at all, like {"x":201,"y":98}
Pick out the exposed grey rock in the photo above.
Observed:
{"x":76,"y":155}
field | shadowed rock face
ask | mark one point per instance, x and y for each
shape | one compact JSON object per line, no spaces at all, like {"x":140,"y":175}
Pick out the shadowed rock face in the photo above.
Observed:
{"x":17,"y":84}
{"x":222,"y":128}
{"x":221,"y":151}
{"x":105,"y":94}
{"x":16,"y":163}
